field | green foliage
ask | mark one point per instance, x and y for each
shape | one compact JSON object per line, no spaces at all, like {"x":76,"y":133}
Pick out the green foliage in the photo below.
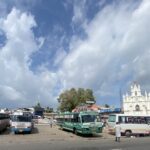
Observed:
{"x":107,"y":106}
{"x":48,"y":110}
{"x":38,"y":105}
{"x":69,"y":99}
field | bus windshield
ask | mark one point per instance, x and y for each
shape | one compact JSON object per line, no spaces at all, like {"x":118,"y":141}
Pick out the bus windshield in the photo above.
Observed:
{"x":21,"y":118}
{"x":90,"y":118}
{"x":112,"y":118}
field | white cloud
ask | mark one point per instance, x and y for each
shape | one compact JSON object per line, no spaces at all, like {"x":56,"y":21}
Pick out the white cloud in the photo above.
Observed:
{"x":17,"y":27}
{"x":18,"y":82}
{"x":3,"y":8}
{"x":116,"y":37}
{"x":79,"y":13}
{"x":7,"y":92}
{"x":115,"y":52}
{"x":60,"y":56}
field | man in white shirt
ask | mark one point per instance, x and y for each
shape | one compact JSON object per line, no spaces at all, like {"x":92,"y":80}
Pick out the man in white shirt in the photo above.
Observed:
{"x":50,"y":122}
{"x":118,"y":131}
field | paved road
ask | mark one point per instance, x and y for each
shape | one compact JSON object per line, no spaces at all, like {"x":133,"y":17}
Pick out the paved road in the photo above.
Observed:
{"x":103,"y":144}
{"x":46,"y":138}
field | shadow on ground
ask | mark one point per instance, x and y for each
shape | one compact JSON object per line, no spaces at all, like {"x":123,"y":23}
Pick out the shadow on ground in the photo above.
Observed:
{"x":82,"y":135}
{"x":8,"y":131}
{"x":35,"y":130}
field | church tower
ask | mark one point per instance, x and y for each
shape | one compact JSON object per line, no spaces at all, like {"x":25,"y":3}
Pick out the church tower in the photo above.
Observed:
{"x":136,"y":103}
{"x":135,"y":90}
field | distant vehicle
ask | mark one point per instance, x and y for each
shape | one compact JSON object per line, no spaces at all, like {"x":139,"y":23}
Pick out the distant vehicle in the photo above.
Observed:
{"x":4,"y":121}
{"x":54,"y":121}
{"x":35,"y":118}
{"x":21,"y":122}
{"x":80,"y":122}
{"x":130,"y":124}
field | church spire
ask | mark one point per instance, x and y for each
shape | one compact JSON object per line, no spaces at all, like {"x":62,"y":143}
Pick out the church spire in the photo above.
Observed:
{"x":135,"y":89}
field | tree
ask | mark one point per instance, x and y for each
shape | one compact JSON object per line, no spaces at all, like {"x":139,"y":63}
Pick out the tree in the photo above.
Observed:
{"x":89,"y":95}
{"x":48,"y":110}
{"x":69,"y":99}
{"x":107,"y":106}
{"x":38,"y":105}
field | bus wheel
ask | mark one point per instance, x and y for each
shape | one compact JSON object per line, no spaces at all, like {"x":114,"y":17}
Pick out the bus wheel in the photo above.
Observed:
{"x":75,"y":132}
{"x":128,"y":133}
{"x":61,"y":128}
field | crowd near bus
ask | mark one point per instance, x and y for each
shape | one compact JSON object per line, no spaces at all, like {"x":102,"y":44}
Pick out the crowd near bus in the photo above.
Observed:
{"x":130,"y":124}
{"x":80,"y":122}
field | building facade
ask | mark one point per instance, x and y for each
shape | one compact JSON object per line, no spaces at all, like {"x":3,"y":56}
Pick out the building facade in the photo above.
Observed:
{"x":136,"y":103}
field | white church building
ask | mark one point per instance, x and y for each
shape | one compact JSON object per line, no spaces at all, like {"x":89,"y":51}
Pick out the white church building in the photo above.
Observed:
{"x":136,"y":103}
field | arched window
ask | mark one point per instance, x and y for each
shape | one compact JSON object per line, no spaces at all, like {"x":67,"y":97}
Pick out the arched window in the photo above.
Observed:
{"x":137,"y":108}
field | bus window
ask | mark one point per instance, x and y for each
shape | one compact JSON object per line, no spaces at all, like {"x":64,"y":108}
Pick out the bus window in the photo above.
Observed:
{"x":97,"y":119}
{"x":112,"y":118}
{"x":122,"y":119}
{"x":130,"y":120}
{"x":79,"y":120}
{"x":88,"y":118}
{"x":135,"y":120}
{"x":148,"y":120}
{"x":21,"y":119}
{"x":143,"y":120}
{"x":76,"y":118}
{"x":139,"y":120}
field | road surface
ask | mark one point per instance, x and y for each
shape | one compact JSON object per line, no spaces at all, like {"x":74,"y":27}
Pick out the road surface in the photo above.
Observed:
{"x":46,"y":138}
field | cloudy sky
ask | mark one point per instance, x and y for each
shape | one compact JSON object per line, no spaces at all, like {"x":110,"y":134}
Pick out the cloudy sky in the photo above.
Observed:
{"x":47,"y":46}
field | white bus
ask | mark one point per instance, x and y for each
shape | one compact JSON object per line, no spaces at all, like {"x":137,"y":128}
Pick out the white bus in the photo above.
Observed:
{"x":130,"y":124}
{"x":4,"y":121}
{"x":21,"y":122}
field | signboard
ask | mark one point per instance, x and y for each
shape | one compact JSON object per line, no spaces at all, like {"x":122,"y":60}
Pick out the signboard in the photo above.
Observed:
{"x":110,"y":110}
{"x":90,"y":102}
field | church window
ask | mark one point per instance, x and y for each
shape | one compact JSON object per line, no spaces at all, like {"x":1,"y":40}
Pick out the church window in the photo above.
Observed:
{"x":137,"y":108}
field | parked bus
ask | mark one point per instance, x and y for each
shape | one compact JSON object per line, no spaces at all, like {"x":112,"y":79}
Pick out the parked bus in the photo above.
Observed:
{"x":130,"y":124}
{"x":80,"y":122}
{"x":4,"y":121}
{"x":21,"y":122}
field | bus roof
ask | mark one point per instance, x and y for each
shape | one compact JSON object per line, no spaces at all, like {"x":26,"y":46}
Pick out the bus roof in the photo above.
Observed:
{"x":129,"y":115}
{"x":81,"y":112}
{"x":20,"y":113}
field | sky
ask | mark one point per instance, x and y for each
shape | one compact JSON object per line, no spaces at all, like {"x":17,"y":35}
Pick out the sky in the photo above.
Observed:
{"x":49,"y":46}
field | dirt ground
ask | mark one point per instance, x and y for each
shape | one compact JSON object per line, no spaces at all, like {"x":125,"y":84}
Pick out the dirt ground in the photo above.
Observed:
{"x":46,"y":133}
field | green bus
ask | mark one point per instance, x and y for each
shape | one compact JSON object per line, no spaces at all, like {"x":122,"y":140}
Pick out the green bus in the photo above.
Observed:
{"x":80,"y":122}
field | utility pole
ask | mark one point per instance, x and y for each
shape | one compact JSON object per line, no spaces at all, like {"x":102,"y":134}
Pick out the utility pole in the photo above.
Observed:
{"x":120,"y":94}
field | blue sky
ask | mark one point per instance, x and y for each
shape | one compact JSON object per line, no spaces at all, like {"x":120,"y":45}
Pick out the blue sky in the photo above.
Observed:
{"x":48,"y":46}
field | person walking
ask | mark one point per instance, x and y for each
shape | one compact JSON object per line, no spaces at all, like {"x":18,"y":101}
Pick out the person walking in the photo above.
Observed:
{"x":51,"y":122}
{"x":117,"y":132}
